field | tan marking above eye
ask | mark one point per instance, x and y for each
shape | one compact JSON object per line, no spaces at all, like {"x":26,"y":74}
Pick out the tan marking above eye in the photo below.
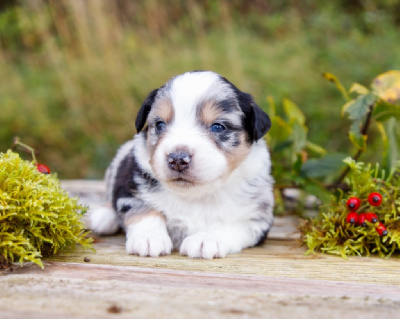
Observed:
{"x":209,"y":112}
{"x":163,"y":109}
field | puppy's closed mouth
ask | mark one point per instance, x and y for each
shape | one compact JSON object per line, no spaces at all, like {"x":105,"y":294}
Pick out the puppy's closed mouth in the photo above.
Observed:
{"x":182,"y":182}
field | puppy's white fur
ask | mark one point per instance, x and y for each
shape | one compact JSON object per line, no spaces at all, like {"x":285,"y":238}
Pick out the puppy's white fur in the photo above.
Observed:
{"x":148,"y":237}
{"x":103,"y":220}
{"x":219,"y":209}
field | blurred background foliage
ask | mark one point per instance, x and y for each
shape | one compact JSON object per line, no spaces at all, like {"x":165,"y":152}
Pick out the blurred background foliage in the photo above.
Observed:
{"x":74,"y":73}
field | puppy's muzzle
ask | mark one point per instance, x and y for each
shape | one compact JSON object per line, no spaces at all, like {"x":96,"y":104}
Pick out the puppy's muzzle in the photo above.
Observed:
{"x":179,"y":161}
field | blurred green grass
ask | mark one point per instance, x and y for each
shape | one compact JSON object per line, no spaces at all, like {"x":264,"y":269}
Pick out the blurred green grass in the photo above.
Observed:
{"x":74,"y":73}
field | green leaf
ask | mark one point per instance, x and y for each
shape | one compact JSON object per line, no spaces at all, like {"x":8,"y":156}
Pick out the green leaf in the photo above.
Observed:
{"x":280,"y":130}
{"x":358,"y":108}
{"x":315,"y":148}
{"x":359,"y":140}
{"x":358,"y":88}
{"x":281,"y":146}
{"x":381,"y":129}
{"x":383,"y":111}
{"x":293,"y":112}
{"x":339,"y":85}
{"x":298,"y":163}
{"x":390,"y":155}
{"x":299,"y":137}
{"x":387,"y":86}
{"x":327,"y":165}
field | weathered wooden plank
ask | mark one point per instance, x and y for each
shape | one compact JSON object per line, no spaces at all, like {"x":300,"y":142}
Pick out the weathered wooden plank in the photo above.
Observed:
{"x":279,"y":258}
{"x":86,"y":290}
{"x":206,"y":280}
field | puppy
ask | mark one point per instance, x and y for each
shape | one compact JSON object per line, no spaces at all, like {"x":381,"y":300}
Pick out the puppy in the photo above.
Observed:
{"x":196,"y":177}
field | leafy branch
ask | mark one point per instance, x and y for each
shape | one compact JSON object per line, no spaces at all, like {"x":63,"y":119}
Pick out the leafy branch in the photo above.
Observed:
{"x":299,"y":163}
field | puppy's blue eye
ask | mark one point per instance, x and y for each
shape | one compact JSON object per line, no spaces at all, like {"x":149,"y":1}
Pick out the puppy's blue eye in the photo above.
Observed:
{"x":217,"y":128}
{"x":160,"y":126}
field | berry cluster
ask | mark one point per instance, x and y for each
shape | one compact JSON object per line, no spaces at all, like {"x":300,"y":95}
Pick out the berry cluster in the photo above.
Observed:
{"x":354,"y":203}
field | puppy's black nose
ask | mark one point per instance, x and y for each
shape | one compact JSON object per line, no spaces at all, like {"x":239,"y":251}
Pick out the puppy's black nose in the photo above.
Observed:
{"x":179,"y":161}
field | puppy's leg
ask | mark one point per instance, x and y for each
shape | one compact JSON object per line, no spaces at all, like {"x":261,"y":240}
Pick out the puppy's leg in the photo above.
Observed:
{"x":146,"y":235}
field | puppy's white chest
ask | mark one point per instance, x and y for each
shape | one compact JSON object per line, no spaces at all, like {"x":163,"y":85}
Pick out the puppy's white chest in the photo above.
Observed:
{"x":199,"y":214}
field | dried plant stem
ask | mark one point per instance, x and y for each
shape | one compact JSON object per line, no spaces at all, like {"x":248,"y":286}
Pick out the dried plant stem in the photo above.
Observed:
{"x":18,"y":142}
{"x":364,"y":131}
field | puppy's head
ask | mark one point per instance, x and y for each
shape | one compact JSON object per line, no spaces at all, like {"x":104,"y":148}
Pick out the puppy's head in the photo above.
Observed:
{"x":200,"y":127}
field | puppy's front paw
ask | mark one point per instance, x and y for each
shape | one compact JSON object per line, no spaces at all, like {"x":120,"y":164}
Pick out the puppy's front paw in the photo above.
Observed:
{"x":203,"y":245}
{"x":147,"y":240}
{"x":152,"y":245}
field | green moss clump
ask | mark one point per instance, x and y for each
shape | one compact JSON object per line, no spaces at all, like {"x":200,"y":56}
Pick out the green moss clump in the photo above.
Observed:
{"x":37,"y":217}
{"x":330,"y":233}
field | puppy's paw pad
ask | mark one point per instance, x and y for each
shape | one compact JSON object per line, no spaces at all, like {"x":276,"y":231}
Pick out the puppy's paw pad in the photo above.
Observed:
{"x":203,"y":245}
{"x":103,"y":220}
{"x":149,"y":245}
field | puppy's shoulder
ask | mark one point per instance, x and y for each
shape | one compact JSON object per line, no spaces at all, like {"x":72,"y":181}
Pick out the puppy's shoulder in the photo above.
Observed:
{"x":128,"y":170}
{"x":126,"y":157}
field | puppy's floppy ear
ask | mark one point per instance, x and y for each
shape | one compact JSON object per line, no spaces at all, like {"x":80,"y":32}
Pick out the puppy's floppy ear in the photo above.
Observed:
{"x":145,"y":110}
{"x":256,"y":122}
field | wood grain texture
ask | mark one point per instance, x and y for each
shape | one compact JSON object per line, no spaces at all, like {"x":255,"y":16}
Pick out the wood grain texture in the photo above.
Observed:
{"x":275,"y":280}
{"x":276,"y":257}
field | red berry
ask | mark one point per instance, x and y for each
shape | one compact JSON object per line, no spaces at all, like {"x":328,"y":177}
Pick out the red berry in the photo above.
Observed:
{"x":371,"y":217}
{"x":375,"y":199}
{"x":352,"y":218}
{"x":361,"y":219}
{"x":353,"y":203}
{"x":381,"y":229}
{"x":43,"y":168}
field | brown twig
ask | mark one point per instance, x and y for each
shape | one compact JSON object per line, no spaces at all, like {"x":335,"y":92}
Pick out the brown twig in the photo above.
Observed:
{"x":363,"y":131}
{"x":27,"y":148}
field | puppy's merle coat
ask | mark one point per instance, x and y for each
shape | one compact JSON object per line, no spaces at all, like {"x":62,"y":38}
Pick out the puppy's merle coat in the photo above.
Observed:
{"x":196,"y":177}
